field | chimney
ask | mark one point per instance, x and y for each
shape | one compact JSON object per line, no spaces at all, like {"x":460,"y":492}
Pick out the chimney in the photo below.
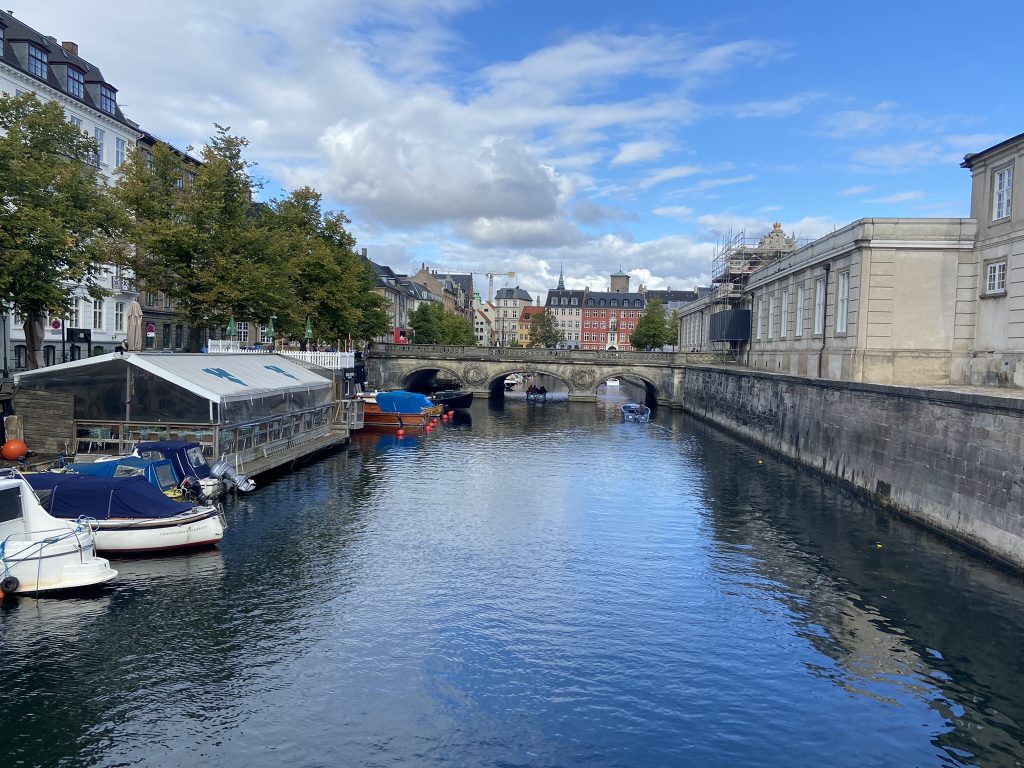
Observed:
{"x":70,"y":47}
{"x":364,"y":253}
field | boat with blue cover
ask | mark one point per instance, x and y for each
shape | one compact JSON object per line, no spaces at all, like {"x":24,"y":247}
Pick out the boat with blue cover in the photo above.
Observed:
{"x":398,"y":409}
{"x":189,"y":461}
{"x":160,"y":473}
{"x":127,"y":514}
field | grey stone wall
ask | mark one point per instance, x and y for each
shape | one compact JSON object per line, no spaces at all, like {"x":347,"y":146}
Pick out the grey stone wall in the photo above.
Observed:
{"x":954,"y":461}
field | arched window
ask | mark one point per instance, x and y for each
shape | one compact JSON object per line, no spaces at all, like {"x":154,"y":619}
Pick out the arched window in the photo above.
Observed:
{"x":615,"y":302}
{"x":590,"y":302}
{"x":638,"y":303}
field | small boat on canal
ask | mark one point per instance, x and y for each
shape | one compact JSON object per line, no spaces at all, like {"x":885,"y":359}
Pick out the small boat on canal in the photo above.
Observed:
{"x":39,"y":552}
{"x":398,"y":409}
{"x":453,"y":399}
{"x":635,"y":412}
{"x":127,"y":514}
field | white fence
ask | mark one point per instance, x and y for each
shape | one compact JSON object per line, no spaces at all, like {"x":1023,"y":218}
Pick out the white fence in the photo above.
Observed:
{"x":333,"y":360}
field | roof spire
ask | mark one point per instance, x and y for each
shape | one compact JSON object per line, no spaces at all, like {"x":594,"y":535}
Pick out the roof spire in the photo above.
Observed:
{"x":561,"y":280}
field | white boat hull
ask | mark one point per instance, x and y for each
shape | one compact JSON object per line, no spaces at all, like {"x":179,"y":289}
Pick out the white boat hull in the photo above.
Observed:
{"x":202,"y":528}
{"x":55,"y":559}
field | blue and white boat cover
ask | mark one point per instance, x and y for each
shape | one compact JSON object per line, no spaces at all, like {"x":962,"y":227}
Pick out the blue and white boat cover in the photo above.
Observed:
{"x":103,"y":498}
{"x":400,"y":401}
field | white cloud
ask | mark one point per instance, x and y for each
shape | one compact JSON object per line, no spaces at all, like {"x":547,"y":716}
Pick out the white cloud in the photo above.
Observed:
{"x":667,"y":174}
{"x":675,"y":212}
{"x":899,"y":197}
{"x":774,"y":108}
{"x":639,"y":152}
{"x":857,"y":190}
{"x":703,"y":186}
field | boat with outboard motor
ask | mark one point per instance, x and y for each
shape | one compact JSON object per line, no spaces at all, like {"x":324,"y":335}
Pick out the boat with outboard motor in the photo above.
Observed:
{"x":636,"y":412}
{"x":127,"y":514}
{"x":39,"y":552}
{"x":398,"y":409}
{"x":159,"y":472}
{"x":188,"y":461}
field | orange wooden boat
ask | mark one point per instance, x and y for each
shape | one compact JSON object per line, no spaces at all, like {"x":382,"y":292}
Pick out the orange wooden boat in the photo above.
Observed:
{"x":398,"y":409}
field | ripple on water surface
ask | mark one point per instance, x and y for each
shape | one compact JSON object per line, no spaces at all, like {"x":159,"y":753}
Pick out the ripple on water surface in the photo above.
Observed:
{"x":538,"y":585}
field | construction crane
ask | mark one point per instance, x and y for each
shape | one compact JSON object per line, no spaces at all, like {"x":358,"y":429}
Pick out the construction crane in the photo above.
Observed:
{"x":463,"y":271}
{"x":490,"y":282}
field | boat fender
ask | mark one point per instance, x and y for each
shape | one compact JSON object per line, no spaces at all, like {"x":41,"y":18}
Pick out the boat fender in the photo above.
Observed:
{"x":9,"y":585}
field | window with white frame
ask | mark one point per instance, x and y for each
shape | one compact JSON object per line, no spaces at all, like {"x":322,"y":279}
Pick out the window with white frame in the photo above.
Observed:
{"x":37,"y":62}
{"x":995,"y":277}
{"x":784,"y":328}
{"x":119,"y":316}
{"x":97,"y":314}
{"x":243,"y":332}
{"x":100,"y":135}
{"x":1002,"y":193}
{"x":799,"y":310}
{"x":771,"y":316}
{"x":167,"y":301}
{"x":760,"y":318}
{"x":843,"y":302}
{"x":120,"y":148}
{"x":73,"y":315}
{"x":75,"y":121}
{"x":819,"y":305}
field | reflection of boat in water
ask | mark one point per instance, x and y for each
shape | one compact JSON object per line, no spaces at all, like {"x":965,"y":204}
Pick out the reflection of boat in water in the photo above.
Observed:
{"x":453,"y":399}
{"x":127,"y":513}
{"x":398,"y":409}
{"x":207,"y":564}
{"x":39,"y":552}
{"x":636,"y":412}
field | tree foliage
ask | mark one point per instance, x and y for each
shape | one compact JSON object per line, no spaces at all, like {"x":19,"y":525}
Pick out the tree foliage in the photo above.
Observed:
{"x":60,"y":225}
{"x":219,"y":254}
{"x":652,"y":329}
{"x":433,"y":325}
{"x":544,"y":331}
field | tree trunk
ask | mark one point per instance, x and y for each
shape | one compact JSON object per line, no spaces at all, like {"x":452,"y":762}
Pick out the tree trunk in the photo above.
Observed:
{"x":34,"y":330}
{"x":195,"y":338}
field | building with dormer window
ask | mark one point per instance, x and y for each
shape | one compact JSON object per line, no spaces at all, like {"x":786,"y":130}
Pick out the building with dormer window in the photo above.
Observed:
{"x":31,"y":62}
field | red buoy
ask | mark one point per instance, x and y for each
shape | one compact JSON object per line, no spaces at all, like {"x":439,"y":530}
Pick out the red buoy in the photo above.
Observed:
{"x":14,"y":450}
{"x":400,"y":433}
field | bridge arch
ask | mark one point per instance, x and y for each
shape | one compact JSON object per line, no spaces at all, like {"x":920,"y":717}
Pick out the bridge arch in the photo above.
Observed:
{"x":495,"y":386}
{"x":421,"y":377}
{"x":650,"y":387}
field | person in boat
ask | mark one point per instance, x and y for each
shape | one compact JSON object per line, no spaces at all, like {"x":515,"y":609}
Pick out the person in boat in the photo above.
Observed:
{"x":530,"y":391}
{"x":543,"y":392}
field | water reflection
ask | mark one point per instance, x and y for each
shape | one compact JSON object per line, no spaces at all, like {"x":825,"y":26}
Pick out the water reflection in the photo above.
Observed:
{"x":540,"y":586}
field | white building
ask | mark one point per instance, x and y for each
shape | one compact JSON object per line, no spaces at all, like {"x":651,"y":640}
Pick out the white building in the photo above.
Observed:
{"x":509,"y":303}
{"x":32,"y":62}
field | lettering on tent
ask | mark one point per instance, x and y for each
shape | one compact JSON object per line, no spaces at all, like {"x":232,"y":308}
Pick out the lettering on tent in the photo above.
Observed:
{"x":220,"y":373}
{"x":282,"y":371}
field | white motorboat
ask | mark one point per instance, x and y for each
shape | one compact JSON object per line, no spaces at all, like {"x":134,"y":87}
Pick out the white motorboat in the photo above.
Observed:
{"x":635,"y":412}
{"x":127,"y":514}
{"x":613,"y":382}
{"x":41,"y":553}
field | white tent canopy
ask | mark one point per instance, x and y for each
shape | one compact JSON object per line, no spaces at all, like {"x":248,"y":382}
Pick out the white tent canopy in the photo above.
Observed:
{"x":240,"y":386}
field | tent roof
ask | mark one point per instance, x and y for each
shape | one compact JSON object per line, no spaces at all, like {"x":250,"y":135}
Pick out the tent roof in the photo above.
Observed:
{"x":220,"y":378}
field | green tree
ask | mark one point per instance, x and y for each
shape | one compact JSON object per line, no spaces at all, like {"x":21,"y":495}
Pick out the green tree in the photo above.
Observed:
{"x":544,"y":331}
{"x":61,"y":226}
{"x":425,"y":322}
{"x":432,"y":324}
{"x":652,"y":329}
{"x":200,"y":242}
{"x":673,"y":327}
{"x":456,"y":329}
{"x":327,"y":281}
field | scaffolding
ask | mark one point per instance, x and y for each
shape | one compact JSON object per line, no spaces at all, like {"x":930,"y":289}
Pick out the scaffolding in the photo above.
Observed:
{"x":735,"y":260}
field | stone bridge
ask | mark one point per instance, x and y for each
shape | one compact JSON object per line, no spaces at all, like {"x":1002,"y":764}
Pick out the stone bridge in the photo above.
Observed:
{"x":482,"y":370}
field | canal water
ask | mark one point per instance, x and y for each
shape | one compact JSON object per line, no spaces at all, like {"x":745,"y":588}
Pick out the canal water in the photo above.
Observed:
{"x":536,"y":585}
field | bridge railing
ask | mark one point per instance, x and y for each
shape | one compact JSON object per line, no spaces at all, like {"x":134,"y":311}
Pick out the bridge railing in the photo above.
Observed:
{"x":541,"y":354}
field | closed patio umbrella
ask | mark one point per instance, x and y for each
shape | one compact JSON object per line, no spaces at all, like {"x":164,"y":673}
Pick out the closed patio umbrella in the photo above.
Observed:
{"x":134,"y":327}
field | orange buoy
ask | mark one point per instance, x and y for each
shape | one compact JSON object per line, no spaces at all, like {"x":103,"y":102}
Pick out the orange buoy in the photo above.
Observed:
{"x":14,"y":450}
{"x":400,"y":433}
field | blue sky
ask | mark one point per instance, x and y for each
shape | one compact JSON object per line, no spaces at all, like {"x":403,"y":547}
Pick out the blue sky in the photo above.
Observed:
{"x":521,"y":136}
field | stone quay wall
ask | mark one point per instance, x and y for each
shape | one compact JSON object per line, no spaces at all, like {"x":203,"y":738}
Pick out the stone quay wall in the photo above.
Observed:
{"x":951,"y":460}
